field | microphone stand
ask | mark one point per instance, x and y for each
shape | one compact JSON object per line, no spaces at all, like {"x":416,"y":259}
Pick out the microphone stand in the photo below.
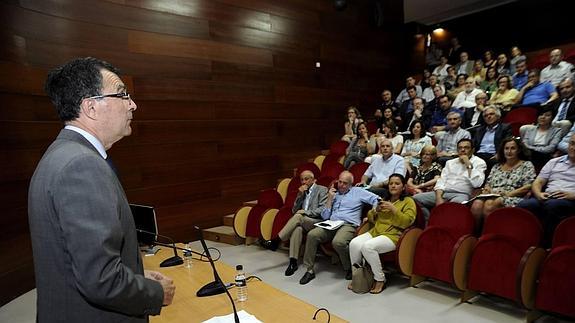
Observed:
{"x":172,"y":261}
{"x":217,"y":286}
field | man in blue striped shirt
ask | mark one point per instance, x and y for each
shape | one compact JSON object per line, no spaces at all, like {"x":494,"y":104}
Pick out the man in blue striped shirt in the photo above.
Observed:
{"x":344,"y":202}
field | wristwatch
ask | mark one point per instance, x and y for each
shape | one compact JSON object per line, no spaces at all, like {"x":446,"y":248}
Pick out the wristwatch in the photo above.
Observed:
{"x":469,"y":166}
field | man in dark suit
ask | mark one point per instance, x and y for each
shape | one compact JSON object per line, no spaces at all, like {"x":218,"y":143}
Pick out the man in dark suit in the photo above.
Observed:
{"x":86,"y":256}
{"x":564,"y":109}
{"x":473,"y":116}
{"x":488,"y":137}
{"x":309,"y":203}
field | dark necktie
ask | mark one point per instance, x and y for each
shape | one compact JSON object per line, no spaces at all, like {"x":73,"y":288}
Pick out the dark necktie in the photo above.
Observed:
{"x":563,"y":109}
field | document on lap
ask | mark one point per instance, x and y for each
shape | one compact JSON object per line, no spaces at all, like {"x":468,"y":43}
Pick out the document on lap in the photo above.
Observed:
{"x":330,"y":224}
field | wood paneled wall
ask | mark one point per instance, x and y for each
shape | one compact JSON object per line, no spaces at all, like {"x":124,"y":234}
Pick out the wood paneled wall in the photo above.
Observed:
{"x":229,"y":99}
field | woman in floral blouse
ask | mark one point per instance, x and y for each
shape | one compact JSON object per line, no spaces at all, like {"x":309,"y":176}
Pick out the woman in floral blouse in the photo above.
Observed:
{"x":511,"y":179}
{"x":426,"y":175}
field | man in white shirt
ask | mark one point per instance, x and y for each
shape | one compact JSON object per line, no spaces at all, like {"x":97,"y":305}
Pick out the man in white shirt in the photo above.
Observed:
{"x":558,"y":69}
{"x":466,"y":99}
{"x":458,"y":179}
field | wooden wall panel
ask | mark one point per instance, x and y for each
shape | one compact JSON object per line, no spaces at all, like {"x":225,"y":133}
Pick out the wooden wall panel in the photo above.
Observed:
{"x":148,"y":43}
{"x":229,"y":99}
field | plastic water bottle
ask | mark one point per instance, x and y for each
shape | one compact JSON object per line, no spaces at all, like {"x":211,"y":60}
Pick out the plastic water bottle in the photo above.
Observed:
{"x":188,"y":256}
{"x":241,"y":284}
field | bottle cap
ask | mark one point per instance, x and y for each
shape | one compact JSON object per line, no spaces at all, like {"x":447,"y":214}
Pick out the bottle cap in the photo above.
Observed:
{"x":239,"y":267}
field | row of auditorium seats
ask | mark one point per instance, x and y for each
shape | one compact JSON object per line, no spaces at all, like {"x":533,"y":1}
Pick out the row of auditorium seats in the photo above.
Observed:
{"x":505,"y":260}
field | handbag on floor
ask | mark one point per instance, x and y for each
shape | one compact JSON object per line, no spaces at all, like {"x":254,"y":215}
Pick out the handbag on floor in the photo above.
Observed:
{"x":362,"y":279}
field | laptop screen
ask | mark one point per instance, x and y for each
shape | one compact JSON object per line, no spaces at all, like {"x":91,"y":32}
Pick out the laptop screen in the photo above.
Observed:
{"x":145,"y":219}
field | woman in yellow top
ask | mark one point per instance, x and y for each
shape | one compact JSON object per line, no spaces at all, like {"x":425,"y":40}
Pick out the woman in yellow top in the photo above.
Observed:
{"x":388,"y":220}
{"x":505,"y":95}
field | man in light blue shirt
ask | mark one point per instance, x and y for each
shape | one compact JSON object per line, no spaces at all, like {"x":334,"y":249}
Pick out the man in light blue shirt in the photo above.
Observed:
{"x":344,"y":203}
{"x":381,"y":167}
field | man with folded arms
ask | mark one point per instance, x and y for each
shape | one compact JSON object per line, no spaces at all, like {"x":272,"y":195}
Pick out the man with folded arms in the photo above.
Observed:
{"x":381,"y":167}
{"x":344,"y":203}
{"x":309,"y":203}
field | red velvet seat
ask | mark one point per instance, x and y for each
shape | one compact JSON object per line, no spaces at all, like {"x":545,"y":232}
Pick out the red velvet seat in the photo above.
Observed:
{"x":357,"y":170}
{"x":329,"y":172}
{"x":520,"y":116}
{"x":282,"y":217}
{"x":307,"y":166}
{"x":267,"y":199}
{"x":507,"y":235}
{"x":442,"y":250}
{"x":338,"y":148}
{"x":556,"y":288}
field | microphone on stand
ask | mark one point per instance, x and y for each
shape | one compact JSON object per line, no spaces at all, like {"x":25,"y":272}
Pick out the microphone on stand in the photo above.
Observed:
{"x":217,"y":286}
{"x":172,"y":261}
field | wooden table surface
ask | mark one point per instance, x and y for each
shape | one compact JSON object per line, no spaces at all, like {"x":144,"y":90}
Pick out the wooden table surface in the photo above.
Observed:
{"x":267,"y":303}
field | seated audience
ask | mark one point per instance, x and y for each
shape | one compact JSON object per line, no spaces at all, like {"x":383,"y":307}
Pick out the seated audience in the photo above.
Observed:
{"x":387,"y":221}
{"x":387,"y":101}
{"x":489,"y":85}
{"x":424,"y":82}
{"x":516,"y":56}
{"x":425,"y":176}
{"x":503,"y":66}
{"x":511,"y":178}
{"x":465,"y":66}
{"x":439,"y":117}
{"x":564,"y":109}
{"x":433,"y":105}
{"x":563,"y":145}
{"x":359,"y":147}
{"x":478,"y":72}
{"x":412,"y":146}
{"x":458,"y":87}
{"x":350,"y":126}
{"x":344,"y":202}
{"x":449,"y":81}
{"x":554,"y":192}
{"x":505,"y":96}
{"x":403,"y":95}
{"x":441,"y":69}
{"x":416,"y":115}
{"x":406,"y":108}
{"x":428,"y":94}
{"x":458,"y":179}
{"x":307,"y":208}
{"x":433,"y":56}
{"x":473,"y":117}
{"x":466,"y":98}
{"x":489,"y":59}
{"x":535,"y":92}
{"x":447,"y":143}
{"x":382,"y":165}
{"x":542,"y":139}
{"x":488,"y":137}
{"x":558,"y":69}
{"x":520,"y":77}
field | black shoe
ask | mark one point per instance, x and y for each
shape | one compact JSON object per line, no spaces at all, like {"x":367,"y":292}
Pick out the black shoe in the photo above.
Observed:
{"x":291,"y":269}
{"x":307,"y":278}
{"x":270,"y":244}
{"x":348,"y":275}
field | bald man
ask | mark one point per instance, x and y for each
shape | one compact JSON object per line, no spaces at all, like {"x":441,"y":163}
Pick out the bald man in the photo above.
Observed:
{"x":345,"y":203}
{"x":307,"y":208}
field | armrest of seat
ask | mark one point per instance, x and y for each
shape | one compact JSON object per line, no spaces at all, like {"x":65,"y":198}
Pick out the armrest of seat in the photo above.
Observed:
{"x":363,"y":228}
{"x":406,"y":249}
{"x":460,"y":257}
{"x":527,"y":275}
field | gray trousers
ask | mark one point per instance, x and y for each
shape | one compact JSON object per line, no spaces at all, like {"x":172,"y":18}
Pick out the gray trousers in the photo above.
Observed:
{"x":294,"y":229}
{"x":339,"y":238}
{"x":427,"y":200}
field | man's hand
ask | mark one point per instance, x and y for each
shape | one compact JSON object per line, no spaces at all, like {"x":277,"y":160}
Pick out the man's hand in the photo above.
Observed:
{"x":439,"y":201}
{"x":167,"y":285}
{"x":561,"y":195}
{"x":464,"y":159}
{"x":303,"y":188}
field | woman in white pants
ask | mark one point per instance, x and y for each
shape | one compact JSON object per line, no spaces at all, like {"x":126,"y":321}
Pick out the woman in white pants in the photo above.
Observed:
{"x":387,"y":220}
